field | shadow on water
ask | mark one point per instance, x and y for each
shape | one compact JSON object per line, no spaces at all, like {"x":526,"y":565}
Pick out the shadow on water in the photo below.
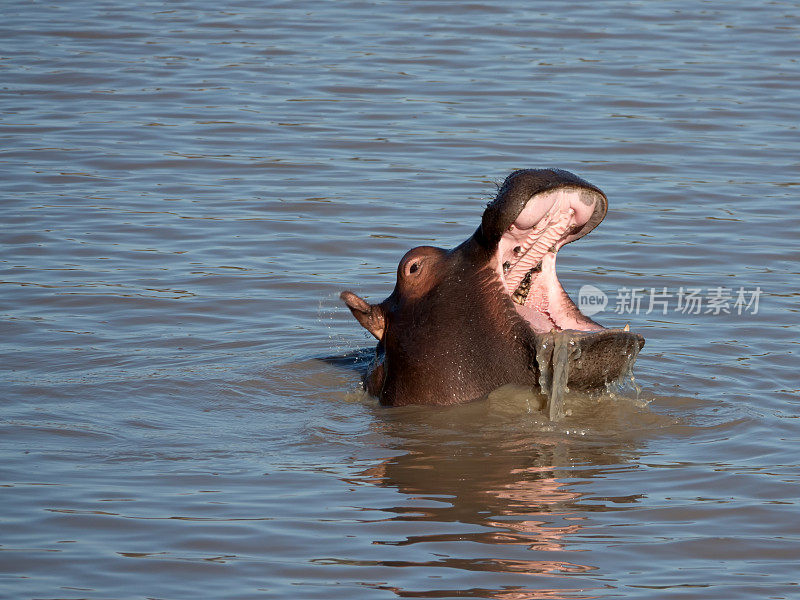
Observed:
{"x":353,"y":360}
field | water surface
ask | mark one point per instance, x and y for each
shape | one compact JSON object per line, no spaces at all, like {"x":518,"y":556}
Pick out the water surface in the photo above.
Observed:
{"x":186,"y":188}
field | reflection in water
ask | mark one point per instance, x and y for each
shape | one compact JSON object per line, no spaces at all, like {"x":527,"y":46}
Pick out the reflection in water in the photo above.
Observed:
{"x":509,"y":475}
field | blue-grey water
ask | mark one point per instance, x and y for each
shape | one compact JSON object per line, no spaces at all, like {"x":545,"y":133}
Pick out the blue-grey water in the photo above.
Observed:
{"x":185,"y":188}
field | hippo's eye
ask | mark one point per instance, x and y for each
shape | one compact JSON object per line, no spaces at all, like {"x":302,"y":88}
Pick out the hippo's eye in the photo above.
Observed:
{"x":413,"y":268}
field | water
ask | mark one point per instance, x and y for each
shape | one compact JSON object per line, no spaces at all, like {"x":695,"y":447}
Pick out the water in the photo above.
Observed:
{"x":186,"y":188}
{"x":554,"y":355}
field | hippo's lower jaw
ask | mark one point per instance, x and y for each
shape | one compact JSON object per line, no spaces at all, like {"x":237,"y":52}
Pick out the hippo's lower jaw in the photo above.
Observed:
{"x":525,"y":264}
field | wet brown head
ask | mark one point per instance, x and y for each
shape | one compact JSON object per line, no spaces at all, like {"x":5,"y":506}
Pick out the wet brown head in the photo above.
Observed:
{"x":463,"y":322}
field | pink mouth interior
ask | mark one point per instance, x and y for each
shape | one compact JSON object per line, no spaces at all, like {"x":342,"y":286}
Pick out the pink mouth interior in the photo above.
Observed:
{"x":526,"y":259}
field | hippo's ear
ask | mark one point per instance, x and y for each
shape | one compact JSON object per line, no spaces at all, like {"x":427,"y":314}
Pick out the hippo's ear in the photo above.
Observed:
{"x":370,"y":316}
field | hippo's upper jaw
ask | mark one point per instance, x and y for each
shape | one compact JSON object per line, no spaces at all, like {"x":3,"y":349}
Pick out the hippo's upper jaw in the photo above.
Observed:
{"x":463,"y":322}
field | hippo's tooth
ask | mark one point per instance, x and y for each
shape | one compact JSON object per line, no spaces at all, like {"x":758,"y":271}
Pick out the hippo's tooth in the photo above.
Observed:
{"x":521,"y":293}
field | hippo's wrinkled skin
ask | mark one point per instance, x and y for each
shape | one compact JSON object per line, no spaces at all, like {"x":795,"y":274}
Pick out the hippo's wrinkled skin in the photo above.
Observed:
{"x":490,"y":312}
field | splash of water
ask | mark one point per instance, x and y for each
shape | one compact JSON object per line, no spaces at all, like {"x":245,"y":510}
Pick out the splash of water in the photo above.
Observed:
{"x":626,"y":377}
{"x":330,"y":315}
{"x":554,"y":354}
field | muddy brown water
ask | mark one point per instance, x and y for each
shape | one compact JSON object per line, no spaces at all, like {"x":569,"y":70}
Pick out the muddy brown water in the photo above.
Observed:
{"x":186,"y":188}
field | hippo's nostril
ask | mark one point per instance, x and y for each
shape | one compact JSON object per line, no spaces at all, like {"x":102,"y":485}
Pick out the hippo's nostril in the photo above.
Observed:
{"x":506,"y":266}
{"x":518,"y":250}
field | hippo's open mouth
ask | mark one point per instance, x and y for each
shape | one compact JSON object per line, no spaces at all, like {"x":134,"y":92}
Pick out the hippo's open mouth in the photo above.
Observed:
{"x":526,"y":256}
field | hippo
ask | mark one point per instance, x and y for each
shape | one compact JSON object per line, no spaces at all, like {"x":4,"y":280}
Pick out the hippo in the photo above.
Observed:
{"x":491,"y":312}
